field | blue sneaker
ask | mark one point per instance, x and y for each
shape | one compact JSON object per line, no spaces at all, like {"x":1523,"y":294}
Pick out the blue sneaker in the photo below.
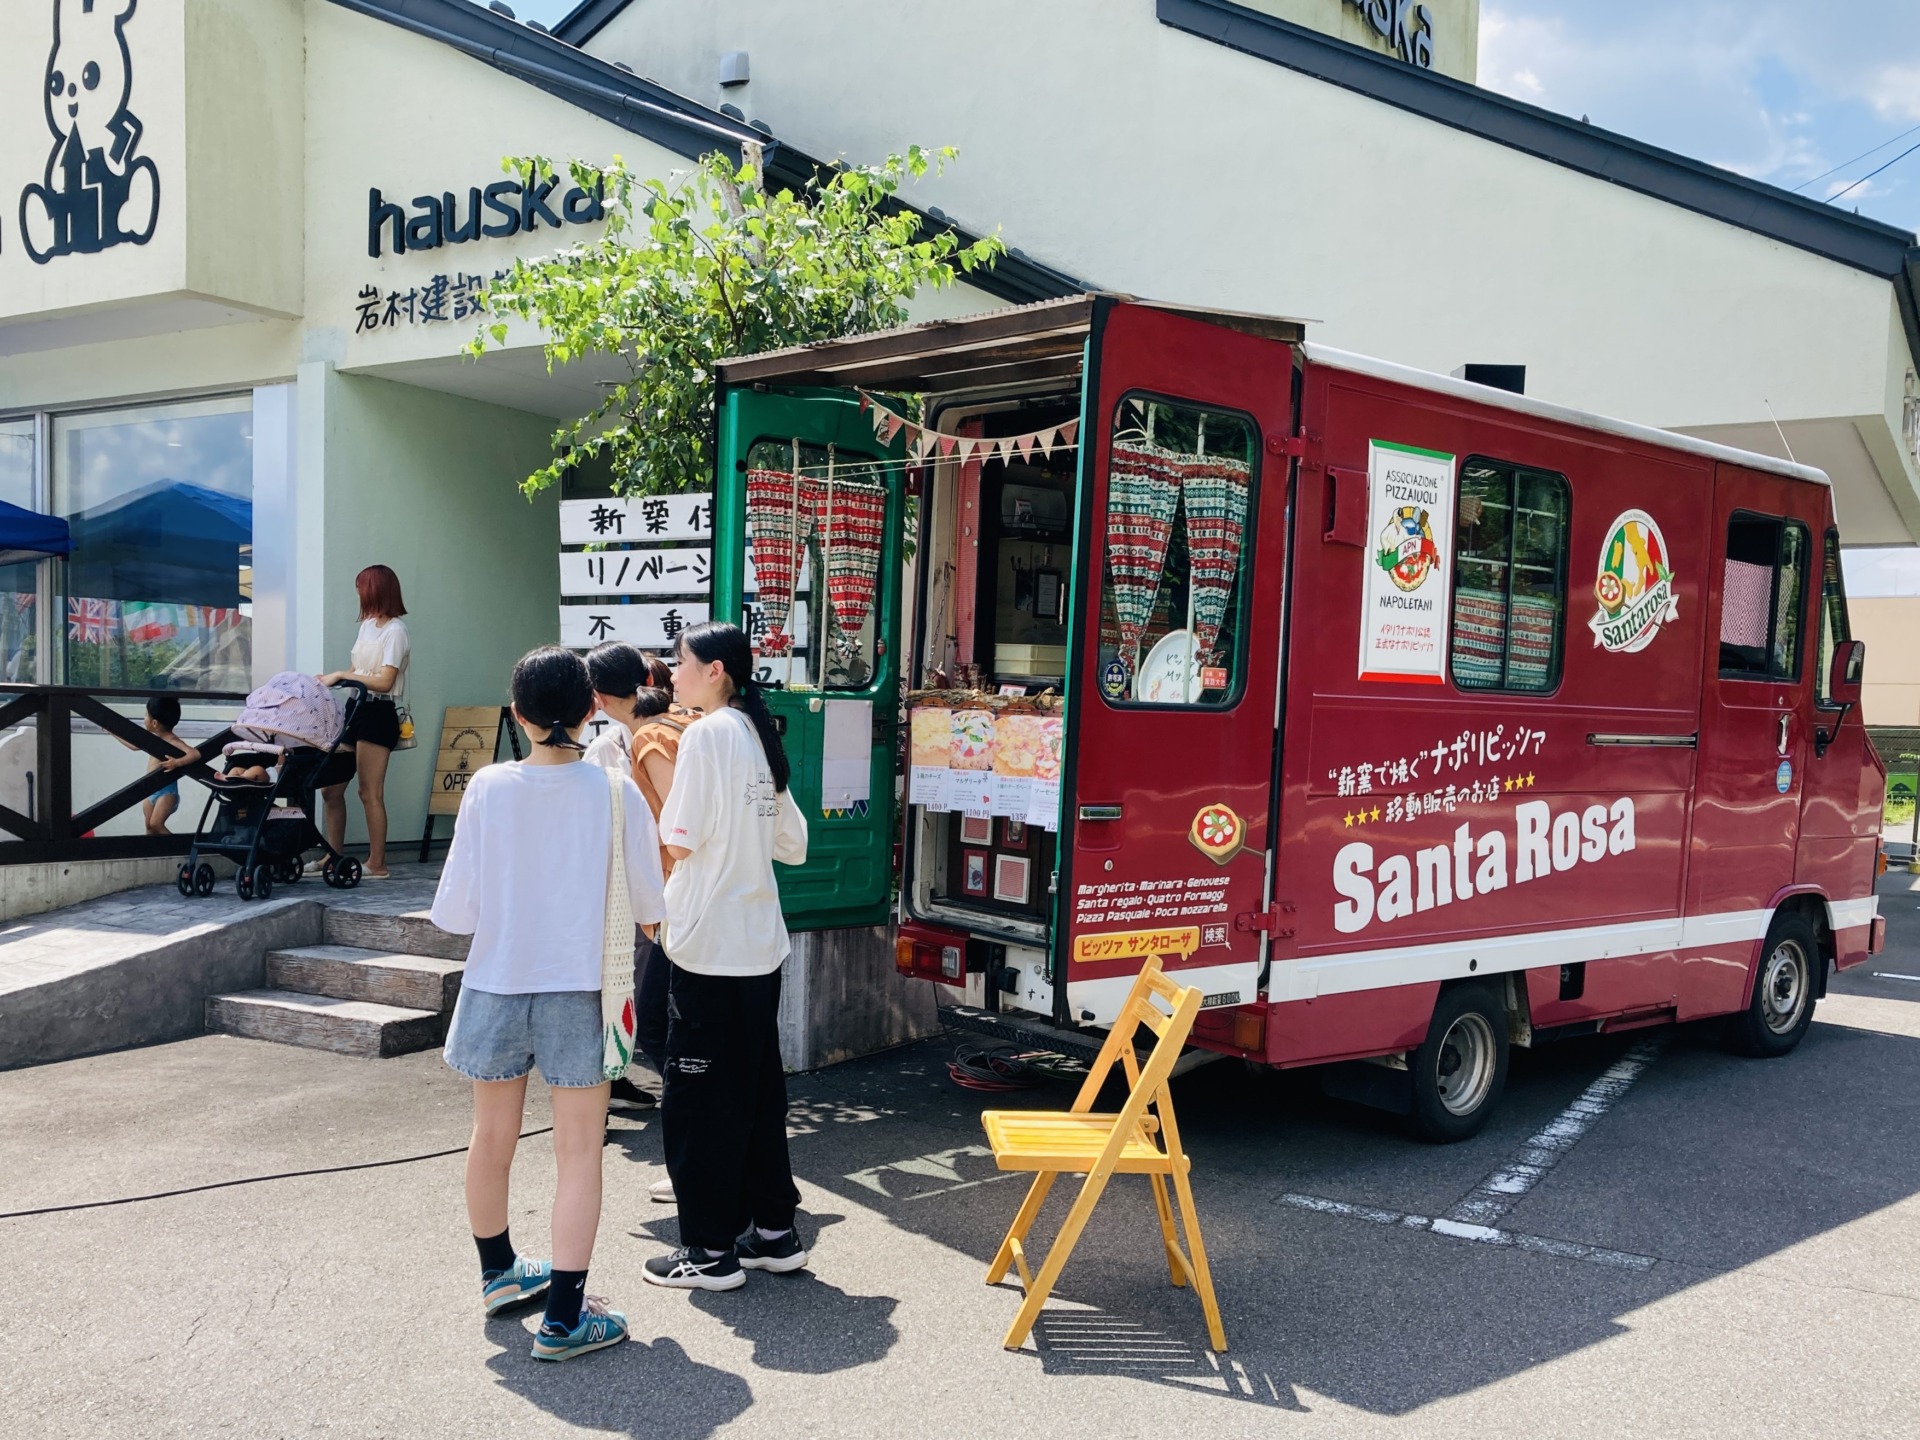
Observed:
{"x":507,"y":1288}
{"x":599,"y":1327}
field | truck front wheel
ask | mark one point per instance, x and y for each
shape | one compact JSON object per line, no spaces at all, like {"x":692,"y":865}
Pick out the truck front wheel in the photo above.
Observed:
{"x":1460,"y":1071}
{"x":1782,"y":1004}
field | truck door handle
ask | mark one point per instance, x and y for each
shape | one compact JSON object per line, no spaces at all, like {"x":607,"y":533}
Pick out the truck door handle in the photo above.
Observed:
{"x":1786,"y":722}
{"x":1101,"y":812}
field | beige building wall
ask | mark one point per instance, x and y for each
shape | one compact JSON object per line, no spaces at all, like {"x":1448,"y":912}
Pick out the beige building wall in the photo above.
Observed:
{"x":1891,"y":629}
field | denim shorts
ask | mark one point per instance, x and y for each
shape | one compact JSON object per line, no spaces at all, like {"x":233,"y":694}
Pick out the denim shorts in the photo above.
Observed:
{"x":502,"y":1037}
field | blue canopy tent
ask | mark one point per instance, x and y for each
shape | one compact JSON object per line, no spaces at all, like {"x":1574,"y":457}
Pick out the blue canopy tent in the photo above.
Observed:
{"x":171,"y":541}
{"x":26,"y":536}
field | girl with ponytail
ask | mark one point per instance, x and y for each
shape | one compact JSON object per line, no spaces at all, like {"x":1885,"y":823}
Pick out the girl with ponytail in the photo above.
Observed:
{"x":728,"y":819}
{"x":528,"y":878}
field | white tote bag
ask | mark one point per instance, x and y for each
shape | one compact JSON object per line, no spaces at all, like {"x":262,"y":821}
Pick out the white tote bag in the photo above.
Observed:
{"x":616,"y":948}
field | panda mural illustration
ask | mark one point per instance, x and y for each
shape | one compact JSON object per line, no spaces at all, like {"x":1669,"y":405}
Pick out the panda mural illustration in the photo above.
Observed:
{"x":98,"y":192}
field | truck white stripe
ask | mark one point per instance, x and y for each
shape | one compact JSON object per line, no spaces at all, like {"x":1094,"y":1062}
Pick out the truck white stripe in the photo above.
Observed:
{"x":1341,"y":974}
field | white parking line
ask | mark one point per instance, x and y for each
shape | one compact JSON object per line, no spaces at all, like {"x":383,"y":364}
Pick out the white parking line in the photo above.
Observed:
{"x":1890,"y":975}
{"x":1476,"y":1218}
{"x":1477,"y":1234}
{"x":1494,"y":1196}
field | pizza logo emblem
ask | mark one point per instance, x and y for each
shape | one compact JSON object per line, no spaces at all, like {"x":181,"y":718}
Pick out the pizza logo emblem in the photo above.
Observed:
{"x":1218,"y":833}
{"x":1407,"y":552}
{"x":1634,"y":586}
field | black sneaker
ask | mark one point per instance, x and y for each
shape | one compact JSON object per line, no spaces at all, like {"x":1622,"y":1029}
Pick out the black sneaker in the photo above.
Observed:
{"x":629,"y":1096}
{"x":688,"y":1269}
{"x":779,"y":1255}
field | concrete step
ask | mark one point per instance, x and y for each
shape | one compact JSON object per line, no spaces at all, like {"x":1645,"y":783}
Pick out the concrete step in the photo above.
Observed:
{"x":343,"y":972}
{"x":412,"y":934}
{"x":318,"y":1022}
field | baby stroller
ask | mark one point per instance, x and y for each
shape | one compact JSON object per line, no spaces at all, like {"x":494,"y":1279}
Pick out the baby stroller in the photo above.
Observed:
{"x":267,"y":826}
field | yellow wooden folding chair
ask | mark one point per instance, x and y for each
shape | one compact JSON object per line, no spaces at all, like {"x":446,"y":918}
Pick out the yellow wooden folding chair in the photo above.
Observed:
{"x":1078,"y":1142}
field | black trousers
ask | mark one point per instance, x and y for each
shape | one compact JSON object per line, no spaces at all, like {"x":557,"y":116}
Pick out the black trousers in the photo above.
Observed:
{"x":724,"y":1113}
{"x":650,"y":1005}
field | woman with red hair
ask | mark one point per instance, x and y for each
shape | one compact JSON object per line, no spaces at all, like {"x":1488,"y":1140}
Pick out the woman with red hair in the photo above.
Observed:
{"x":379,"y":661}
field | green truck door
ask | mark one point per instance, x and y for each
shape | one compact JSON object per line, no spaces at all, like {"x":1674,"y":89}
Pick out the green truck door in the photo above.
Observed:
{"x":836,"y":688}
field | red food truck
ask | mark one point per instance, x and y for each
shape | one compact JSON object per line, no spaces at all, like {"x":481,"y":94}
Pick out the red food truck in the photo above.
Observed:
{"x":1410,"y":719}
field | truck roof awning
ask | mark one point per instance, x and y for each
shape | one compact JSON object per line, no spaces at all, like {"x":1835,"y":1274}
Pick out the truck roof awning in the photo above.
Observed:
{"x":1023,"y":344}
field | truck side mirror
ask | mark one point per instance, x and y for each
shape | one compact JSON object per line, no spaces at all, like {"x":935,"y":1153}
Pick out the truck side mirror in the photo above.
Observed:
{"x":1843,"y":689}
{"x":1843,"y":675}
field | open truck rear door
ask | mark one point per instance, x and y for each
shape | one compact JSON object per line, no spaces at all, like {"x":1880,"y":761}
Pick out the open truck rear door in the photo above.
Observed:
{"x":1176,"y":659}
{"x":808,"y":523}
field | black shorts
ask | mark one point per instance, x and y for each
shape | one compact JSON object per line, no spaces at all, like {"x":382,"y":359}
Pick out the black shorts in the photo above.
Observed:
{"x":377,"y":722}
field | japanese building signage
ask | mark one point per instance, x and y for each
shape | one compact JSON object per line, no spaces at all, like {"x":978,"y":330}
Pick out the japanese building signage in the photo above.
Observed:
{"x":1406,"y":584}
{"x":648,"y":573}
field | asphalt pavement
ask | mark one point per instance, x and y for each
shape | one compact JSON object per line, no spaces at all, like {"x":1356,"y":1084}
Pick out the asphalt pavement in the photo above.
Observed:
{"x":1717,"y":1246}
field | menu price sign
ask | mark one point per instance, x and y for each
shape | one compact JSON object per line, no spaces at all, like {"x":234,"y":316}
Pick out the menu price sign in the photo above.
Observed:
{"x":1408,"y":566}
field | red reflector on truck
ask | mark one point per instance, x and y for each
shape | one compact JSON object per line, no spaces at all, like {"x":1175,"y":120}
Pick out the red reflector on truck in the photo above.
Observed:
{"x":1877,"y":936}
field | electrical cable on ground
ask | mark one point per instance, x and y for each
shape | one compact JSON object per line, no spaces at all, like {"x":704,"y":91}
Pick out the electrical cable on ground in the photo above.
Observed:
{"x":250,"y":1180}
{"x":996,"y":1067}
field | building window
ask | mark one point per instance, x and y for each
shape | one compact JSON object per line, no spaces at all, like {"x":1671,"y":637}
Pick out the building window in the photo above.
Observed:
{"x":1509,"y":578}
{"x":1176,"y":557}
{"x":19,"y":611}
{"x":1760,"y":603}
{"x":158,"y":593}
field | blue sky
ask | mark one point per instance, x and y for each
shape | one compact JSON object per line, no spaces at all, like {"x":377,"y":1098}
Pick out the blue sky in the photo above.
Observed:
{"x":1781,"y":90}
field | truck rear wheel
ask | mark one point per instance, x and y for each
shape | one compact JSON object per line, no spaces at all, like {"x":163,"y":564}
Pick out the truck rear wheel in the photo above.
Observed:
{"x":1460,"y":1071}
{"x":1783,"y":989}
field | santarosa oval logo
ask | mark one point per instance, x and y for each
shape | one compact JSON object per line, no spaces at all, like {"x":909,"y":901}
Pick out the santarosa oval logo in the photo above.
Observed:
{"x":1634,"y":586}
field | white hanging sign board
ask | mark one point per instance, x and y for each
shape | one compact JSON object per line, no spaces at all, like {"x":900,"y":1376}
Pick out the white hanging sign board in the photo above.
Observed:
{"x":636,"y":520}
{"x":655,"y":571}
{"x":1408,"y":567}
{"x":846,"y":754}
{"x":651,"y":627}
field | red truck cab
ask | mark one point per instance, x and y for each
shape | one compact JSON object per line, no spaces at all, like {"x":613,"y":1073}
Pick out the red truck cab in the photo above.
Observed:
{"x":1407,"y":718}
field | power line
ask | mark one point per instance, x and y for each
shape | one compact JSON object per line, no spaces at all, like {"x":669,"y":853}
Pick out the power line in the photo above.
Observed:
{"x":1856,"y":159}
{"x":1871,"y":173}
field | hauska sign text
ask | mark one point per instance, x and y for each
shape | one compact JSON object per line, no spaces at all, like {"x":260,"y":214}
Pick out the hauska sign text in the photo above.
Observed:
{"x":1407,"y":27}
{"x":506,"y":207}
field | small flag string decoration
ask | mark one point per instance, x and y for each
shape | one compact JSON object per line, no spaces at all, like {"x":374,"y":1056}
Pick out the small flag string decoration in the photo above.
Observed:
{"x":921,"y":441}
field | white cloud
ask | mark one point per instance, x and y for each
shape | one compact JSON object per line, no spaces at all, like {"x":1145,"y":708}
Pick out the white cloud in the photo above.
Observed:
{"x":1779,"y":90}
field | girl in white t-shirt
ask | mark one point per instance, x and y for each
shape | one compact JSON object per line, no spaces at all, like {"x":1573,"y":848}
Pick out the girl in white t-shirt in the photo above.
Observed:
{"x":727,"y":820}
{"x":381,"y":652}
{"x":527,"y":878}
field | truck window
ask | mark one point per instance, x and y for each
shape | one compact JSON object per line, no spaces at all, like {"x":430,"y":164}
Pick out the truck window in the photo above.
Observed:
{"x":812,"y":512}
{"x":1180,"y":497}
{"x":1833,"y":616}
{"x":1509,"y":577}
{"x":1761,"y":599}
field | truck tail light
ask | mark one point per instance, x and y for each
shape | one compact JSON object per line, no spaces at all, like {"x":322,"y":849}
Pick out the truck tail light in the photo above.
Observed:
{"x":1879,"y":860}
{"x":929,"y":954}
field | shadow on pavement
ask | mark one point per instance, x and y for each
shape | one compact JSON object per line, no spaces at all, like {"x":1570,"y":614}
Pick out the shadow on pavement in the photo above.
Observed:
{"x":684,"y":1400}
{"x":800,"y":1324}
{"x":1709,"y":1163}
